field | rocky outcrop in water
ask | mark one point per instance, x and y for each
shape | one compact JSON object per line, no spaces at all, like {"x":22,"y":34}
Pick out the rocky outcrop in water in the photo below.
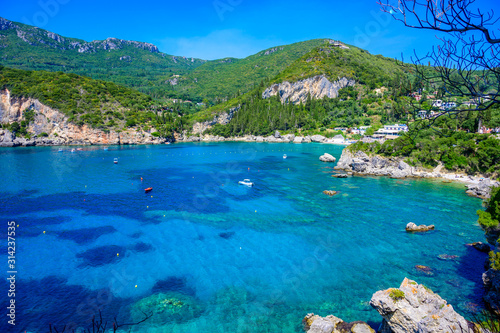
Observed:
{"x":360,"y":163}
{"x":412,"y":227}
{"x":317,"y":87}
{"x":327,"y":158}
{"x":51,"y":127}
{"x":415,"y":308}
{"x":330,"y":324}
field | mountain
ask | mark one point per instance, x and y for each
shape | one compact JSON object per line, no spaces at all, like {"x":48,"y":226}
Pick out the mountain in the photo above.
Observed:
{"x":333,"y":85}
{"x":134,"y":64}
{"x":229,"y":76}
{"x":141,"y":65}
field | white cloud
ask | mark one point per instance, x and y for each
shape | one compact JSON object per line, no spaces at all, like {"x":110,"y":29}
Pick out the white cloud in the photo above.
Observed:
{"x":217,"y":44}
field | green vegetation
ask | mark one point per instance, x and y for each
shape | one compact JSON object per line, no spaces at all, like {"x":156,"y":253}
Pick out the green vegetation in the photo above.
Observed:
{"x":456,"y":150}
{"x":99,"y":104}
{"x":130,"y":64}
{"x":489,"y":219}
{"x":373,"y":71}
{"x":260,"y":116}
{"x":229,"y":77}
{"x":396,"y":294}
{"x":494,"y":258}
{"x":142,"y":67}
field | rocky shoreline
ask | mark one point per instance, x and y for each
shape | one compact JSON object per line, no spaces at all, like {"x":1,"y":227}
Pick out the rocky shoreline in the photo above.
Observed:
{"x":359,"y":163}
{"x":410,"y":308}
{"x":52,"y":128}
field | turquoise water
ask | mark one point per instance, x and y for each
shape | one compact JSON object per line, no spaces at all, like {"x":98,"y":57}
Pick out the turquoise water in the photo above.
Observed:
{"x":210,"y":255}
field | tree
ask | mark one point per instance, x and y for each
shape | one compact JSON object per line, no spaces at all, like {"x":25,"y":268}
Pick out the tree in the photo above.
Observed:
{"x":467,"y":63}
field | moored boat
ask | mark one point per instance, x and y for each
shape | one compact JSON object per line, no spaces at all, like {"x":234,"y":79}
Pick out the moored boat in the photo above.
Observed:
{"x":149,"y":189}
{"x":115,"y":161}
{"x":246,"y":182}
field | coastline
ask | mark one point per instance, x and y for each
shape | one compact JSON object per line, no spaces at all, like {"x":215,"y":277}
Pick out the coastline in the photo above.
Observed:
{"x":359,"y":163}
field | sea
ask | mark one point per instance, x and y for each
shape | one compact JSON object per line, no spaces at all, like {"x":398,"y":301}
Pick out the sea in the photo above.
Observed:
{"x":202,"y":253}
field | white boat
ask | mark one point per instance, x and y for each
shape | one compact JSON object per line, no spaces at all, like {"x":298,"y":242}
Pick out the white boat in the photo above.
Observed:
{"x":115,"y":161}
{"x":60,"y":150}
{"x":73,"y":150}
{"x":284,"y":156}
{"x":246,"y":182}
{"x":105,"y":148}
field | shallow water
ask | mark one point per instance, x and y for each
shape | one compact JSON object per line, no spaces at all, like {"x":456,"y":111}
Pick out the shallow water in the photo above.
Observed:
{"x":236,"y":259}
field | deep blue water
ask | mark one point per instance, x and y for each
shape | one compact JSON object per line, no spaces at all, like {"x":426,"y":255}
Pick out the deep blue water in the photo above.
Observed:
{"x":211,"y":255}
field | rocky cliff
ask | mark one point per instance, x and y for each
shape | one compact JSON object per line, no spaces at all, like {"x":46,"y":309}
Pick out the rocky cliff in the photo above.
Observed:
{"x":51,"y":127}
{"x":360,"y":163}
{"x":410,"y":308}
{"x":318,"y":87}
{"x":222,"y":118}
{"x":415,"y":308}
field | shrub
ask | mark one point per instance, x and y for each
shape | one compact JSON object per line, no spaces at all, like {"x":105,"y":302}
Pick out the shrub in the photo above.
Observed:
{"x":43,"y":134}
{"x":396,"y":294}
{"x":494,"y":258}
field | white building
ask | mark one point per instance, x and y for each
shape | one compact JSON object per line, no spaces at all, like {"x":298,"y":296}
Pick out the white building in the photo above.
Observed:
{"x":391,"y":131}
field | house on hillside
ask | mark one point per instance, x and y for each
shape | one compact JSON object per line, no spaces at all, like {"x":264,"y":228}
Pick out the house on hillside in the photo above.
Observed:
{"x":389,"y":132}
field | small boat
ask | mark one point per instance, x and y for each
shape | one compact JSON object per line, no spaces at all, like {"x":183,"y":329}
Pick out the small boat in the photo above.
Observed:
{"x":79,"y":149}
{"x":60,"y":150}
{"x":73,"y":150}
{"x":246,"y":182}
{"x":105,"y":148}
{"x":149,"y":189}
{"x":115,"y":161}
{"x":284,"y":156}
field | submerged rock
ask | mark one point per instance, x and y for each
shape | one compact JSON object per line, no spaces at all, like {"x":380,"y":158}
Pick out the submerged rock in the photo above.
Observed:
{"x":424,"y":269}
{"x":447,"y":257}
{"x":415,"y":308}
{"x":327,"y":158}
{"x":412,"y":227}
{"x":166,"y":308}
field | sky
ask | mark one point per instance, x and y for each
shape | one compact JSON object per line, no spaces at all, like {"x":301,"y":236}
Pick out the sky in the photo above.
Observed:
{"x":212,"y":29}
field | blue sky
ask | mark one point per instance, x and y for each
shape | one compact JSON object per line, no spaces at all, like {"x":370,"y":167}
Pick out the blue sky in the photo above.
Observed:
{"x":211,"y":29}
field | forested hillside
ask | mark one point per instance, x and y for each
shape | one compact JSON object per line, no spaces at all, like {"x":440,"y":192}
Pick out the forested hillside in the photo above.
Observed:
{"x":100,"y":104}
{"x":360,"y":105}
{"x":141,"y":65}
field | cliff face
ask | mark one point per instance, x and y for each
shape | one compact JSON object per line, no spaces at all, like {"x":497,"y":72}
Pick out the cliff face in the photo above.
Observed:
{"x":223,"y":119}
{"x":318,"y":87}
{"x":60,"y":131}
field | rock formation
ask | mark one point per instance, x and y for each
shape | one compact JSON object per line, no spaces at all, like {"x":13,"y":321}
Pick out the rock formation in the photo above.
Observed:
{"x":395,"y":167}
{"x":327,"y":158}
{"x":481,"y":189}
{"x":317,"y":87}
{"x":58,"y":129}
{"x":329,"y":192}
{"x":480,"y":246}
{"x":412,"y":227}
{"x":330,"y":324}
{"x":491,"y":281}
{"x":415,"y":308}
{"x":221,"y":118}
